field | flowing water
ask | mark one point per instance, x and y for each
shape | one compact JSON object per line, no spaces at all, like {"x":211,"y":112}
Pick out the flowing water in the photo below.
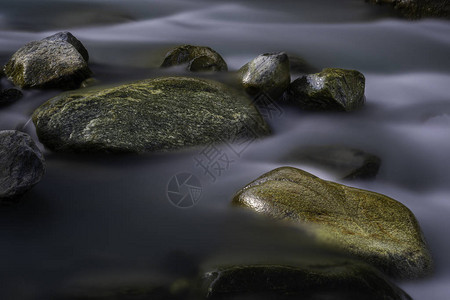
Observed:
{"x":97,"y":216}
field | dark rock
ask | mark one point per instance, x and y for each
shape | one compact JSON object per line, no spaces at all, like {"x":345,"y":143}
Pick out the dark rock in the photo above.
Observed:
{"x":416,"y":9}
{"x":52,"y":62}
{"x":371,"y":226}
{"x":268,"y":73}
{"x":298,"y":65}
{"x":332,"y":89}
{"x":332,"y":279}
{"x":347,"y":163}
{"x":151,"y":115}
{"x":21,"y":164}
{"x":197,"y":58}
{"x":9,"y":96}
{"x":69,"y":38}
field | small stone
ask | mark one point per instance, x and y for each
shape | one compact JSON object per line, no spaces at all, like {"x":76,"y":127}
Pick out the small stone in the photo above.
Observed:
{"x":52,"y":62}
{"x":197,"y":59}
{"x":368,"y":225}
{"x":9,"y":96}
{"x":298,"y":65}
{"x":332,"y":89}
{"x":21,"y":164}
{"x":159,"y":114}
{"x":345,"y":162}
{"x":268,"y":73}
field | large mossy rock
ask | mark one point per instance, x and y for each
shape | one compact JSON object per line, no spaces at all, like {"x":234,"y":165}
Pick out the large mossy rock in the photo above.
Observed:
{"x":21,"y":164}
{"x":332,"y":89}
{"x":332,"y":279}
{"x":268,"y":73}
{"x":368,"y":225}
{"x":415,"y":9}
{"x":196,"y":59}
{"x":158,"y":114}
{"x":58,"y":61}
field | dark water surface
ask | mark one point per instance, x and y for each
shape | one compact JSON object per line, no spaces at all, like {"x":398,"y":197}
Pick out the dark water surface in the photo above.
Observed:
{"x":92,"y":217}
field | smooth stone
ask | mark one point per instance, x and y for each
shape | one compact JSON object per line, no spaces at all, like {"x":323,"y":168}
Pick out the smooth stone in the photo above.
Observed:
{"x":416,"y":9}
{"x":329,"y":279}
{"x":53,"y":62}
{"x":345,"y":162}
{"x":268,"y":73}
{"x":197,"y":59}
{"x":368,"y":225}
{"x":21,"y":164}
{"x":159,"y":114}
{"x":332,"y":89}
{"x":9,"y":96}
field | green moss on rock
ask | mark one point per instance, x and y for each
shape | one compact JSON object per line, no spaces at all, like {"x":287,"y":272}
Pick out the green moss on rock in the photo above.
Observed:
{"x":368,"y":225}
{"x":158,"y":114}
{"x":416,"y":9}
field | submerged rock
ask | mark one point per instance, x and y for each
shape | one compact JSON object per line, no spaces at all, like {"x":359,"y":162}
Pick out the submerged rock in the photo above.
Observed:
{"x":332,"y":89}
{"x":151,"y":115}
{"x":9,"y":96}
{"x":53,"y":62}
{"x":299,"y":65}
{"x":347,"y":163}
{"x":416,"y":9}
{"x":368,"y":225}
{"x":21,"y":164}
{"x":268,"y":73}
{"x":332,"y":279}
{"x":197,"y":58}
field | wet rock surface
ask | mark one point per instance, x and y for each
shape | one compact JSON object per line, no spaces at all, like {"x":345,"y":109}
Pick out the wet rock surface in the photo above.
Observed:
{"x":331,"y":90}
{"x":415,"y":9}
{"x":196,"y":58}
{"x":158,"y":114}
{"x":345,"y":162}
{"x":53,"y":62}
{"x":371,"y":226}
{"x":268,"y":73}
{"x":21,"y":164}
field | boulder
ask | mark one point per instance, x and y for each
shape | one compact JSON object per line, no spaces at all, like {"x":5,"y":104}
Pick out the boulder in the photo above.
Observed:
{"x":368,"y":225}
{"x":53,"y":62}
{"x":268,"y":73}
{"x":196,"y":59}
{"x":328,"y":279}
{"x":21,"y":164}
{"x":415,"y":9}
{"x":332,"y":89}
{"x":157,"y":114}
{"x":9,"y":96}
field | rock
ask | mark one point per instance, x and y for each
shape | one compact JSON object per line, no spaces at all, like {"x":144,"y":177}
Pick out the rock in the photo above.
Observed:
{"x":21,"y":164}
{"x":69,"y":38}
{"x":53,"y":62}
{"x":415,"y":9}
{"x":268,"y":73}
{"x":158,"y":114}
{"x":335,"y":279}
{"x":197,"y":58}
{"x":332,"y":89}
{"x":347,"y":163}
{"x":9,"y":96}
{"x":368,"y":225}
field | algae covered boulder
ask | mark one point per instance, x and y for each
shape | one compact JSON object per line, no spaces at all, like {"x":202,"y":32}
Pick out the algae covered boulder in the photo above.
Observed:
{"x":157,"y":114}
{"x":332,"y":89}
{"x":21,"y":164}
{"x":58,"y":61}
{"x":324,"y":279}
{"x":196,"y":59}
{"x":268,"y":73}
{"x":369,"y":225}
